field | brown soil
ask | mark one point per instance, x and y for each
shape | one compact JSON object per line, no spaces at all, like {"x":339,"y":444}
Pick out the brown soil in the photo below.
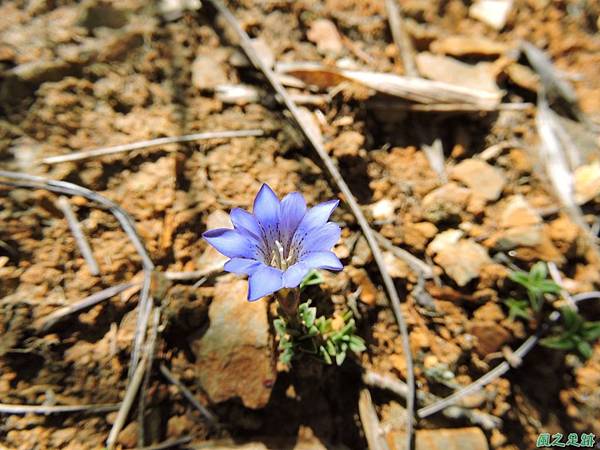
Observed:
{"x":76,"y":75}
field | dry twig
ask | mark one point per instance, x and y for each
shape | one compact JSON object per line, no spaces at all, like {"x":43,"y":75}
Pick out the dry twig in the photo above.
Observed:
{"x":60,"y":314}
{"x":82,"y":243}
{"x":142,"y":396}
{"x":126,"y":222}
{"x":56,"y":409}
{"x":370,"y":422}
{"x":415,"y":263}
{"x":475,"y":417}
{"x":333,"y":171}
{"x":133,"y":386}
{"x":212,"y":419}
{"x":401,"y":38}
{"x":103,"y":151}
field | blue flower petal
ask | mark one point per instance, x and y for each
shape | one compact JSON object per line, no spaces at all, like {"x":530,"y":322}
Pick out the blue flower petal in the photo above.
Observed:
{"x":230,"y":243}
{"x":320,"y":239}
{"x":294,"y":275}
{"x":265,"y":280}
{"x":317,"y":216}
{"x":321,"y":260}
{"x":293,"y":208}
{"x":241,"y":265}
{"x":266,"y":208}
{"x":244,"y":221}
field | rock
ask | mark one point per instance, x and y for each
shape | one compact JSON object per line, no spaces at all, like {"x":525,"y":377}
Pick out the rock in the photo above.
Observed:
{"x":491,"y":12}
{"x":324,"y":33}
{"x":348,"y":143}
{"x":129,"y":435}
{"x":235,"y":358}
{"x":467,"y":46}
{"x":174,"y":9}
{"x":396,"y":267}
{"x":481,"y":177}
{"x":490,"y":336}
{"x":383,"y":209}
{"x":470,"y":438}
{"x":489,"y":311}
{"x":360,"y":278}
{"x":521,"y":225}
{"x":449,"y":70}
{"x":444,"y":239}
{"x":463,"y":260}
{"x":208,"y":72}
{"x":445,"y":203}
{"x":417,"y":235}
{"x":361,"y":253}
{"x":587,"y":182}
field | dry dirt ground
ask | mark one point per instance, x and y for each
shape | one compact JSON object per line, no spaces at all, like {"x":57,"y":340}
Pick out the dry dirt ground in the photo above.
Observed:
{"x":81,"y":75}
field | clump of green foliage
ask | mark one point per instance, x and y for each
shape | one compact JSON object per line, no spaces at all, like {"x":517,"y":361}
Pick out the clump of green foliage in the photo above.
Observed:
{"x":574,"y":333}
{"x":317,"y":337}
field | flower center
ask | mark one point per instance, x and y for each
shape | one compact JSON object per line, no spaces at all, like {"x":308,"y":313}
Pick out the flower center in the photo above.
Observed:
{"x":279,"y":259}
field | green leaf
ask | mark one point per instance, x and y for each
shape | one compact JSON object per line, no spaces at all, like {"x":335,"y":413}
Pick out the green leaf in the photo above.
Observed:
{"x":517,"y":308}
{"x":309,"y":316}
{"x":357,"y":344}
{"x":279,"y":325}
{"x":572,"y":319}
{"x":561,"y":342}
{"x":539,"y":271}
{"x":521,"y":278}
{"x":590,"y":331}
{"x":584,"y":349}
{"x":312,"y":278}
{"x":339,"y":358}
{"x":286,"y":356}
{"x":331,"y":349}
{"x":325,"y":355}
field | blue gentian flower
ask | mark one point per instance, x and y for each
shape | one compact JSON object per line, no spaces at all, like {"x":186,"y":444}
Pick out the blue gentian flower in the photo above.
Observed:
{"x":279,"y":243}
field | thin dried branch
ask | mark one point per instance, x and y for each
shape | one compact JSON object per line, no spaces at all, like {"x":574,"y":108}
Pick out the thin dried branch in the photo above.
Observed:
{"x":57,"y":409}
{"x":126,"y":222}
{"x":60,"y":314}
{"x":475,"y":417}
{"x":556,"y":277}
{"x":415,"y":263}
{"x":209,"y":416}
{"x":82,"y":243}
{"x":103,"y":151}
{"x":553,"y":154}
{"x":142,"y":397}
{"x":333,"y":171}
{"x":370,"y":422}
{"x":132,"y":388}
{"x":401,"y":38}
{"x":418,"y":90}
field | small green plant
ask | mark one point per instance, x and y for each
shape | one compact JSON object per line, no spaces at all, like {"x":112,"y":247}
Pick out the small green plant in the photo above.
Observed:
{"x":536,"y":283}
{"x":324,"y":338}
{"x":576,"y":334}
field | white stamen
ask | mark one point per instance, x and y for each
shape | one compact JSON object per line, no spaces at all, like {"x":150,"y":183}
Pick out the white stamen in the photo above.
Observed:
{"x":281,"y":258}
